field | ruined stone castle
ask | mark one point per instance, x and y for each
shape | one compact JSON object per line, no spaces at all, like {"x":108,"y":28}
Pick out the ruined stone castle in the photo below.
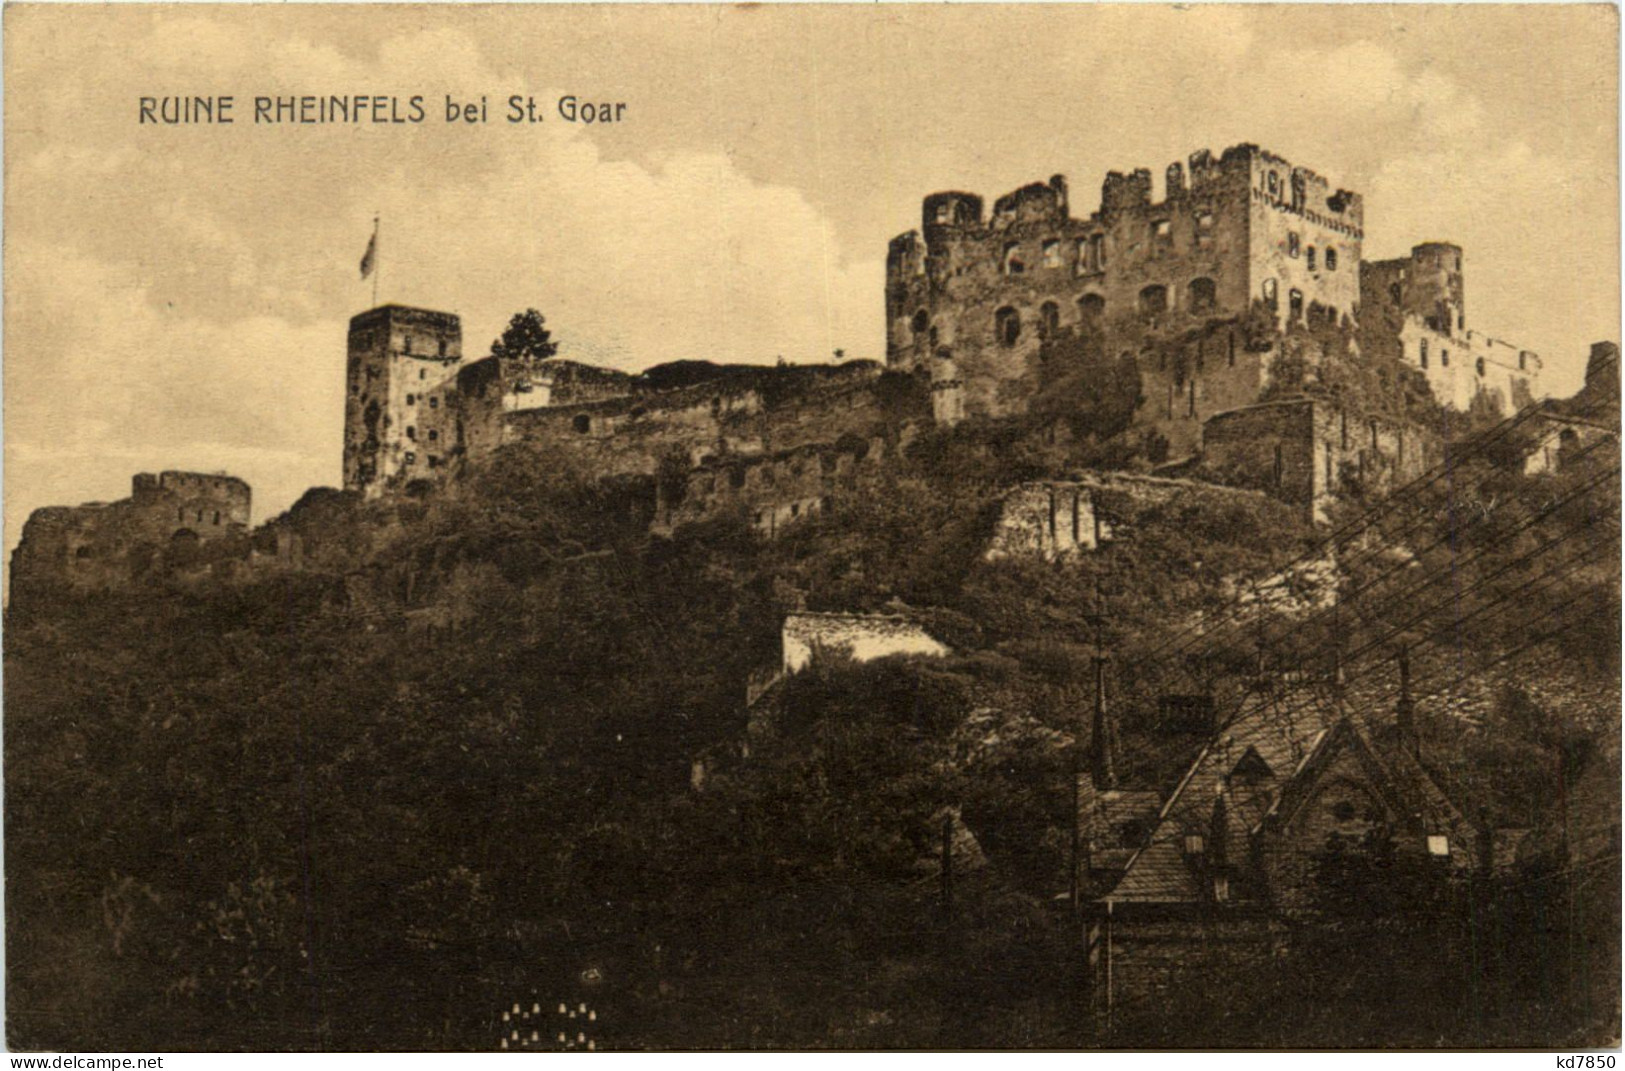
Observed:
{"x":1247,"y":269}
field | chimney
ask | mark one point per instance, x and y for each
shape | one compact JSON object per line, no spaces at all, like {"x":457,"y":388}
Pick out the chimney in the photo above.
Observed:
{"x":1405,"y":709}
{"x":1100,"y":734}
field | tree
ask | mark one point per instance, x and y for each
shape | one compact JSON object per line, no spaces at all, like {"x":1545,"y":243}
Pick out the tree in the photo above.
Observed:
{"x":526,"y":338}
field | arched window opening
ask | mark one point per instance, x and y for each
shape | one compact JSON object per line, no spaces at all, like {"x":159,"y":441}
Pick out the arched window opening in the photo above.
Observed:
{"x":1480,"y":366}
{"x":1292,"y":243}
{"x":1422,"y":352}
{"x":1007,"y":326}
{"x":1331,"y":259}
{"x":1052,"y":253}
{"x":1013,"y":264}
{"x":1091,"y":309}
{"x":922,"y":320}
{"x":1049,"y":319}
{"x":1394,"y":292}
{"x":411,"y":432}
{"x":1309,"y":257}
{"x":1444,"y":358}
{"x":1295,"y":303}
{"x":1203,"y":295}
{"x":1269,"y":292}
{"x":1154,"y":300}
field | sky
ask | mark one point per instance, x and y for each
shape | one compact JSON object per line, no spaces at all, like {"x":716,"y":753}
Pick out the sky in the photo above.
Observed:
{"x":176,"y":297}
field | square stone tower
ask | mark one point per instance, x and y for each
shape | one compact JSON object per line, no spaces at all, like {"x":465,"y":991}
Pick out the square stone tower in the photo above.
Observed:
{"x":398,"y":357}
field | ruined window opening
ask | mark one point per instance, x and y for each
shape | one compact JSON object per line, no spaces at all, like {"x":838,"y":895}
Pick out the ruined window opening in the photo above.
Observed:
{"x":1295,"y":303}
{"x":1422,"y":352}
{"x":1007,"y":325}
{"x":1269,"y":292}
{"x":434,"y":401}
{"x":1439,"y":847}
{"x":1052,"y":253}
{"x":411,"y":458}
{"x":1013,"y":264}
{"x":180,"y":514}
{"x":1083,"y":256}
{"x":442,"y":347}
{"x":1091,"y":308}
{"x":1461,"y":322}
{"x":434,"y":436}
{"x":1394,"y":293}
{"x":1444,"y":358}
{"x":795,"y":509}
{"x":1154,"y":300}
{"x":1097,"y":252}
{"x":406,"y":344}
{"x":411,"y":432}
{"x":411,"y":399}
{"x":434,"y":461}
{"x":1521,"y":358}
{"x":1309,"y":257}
{"x":1292,"y":241}
{"x":1372,"y":424}
{"x":1331,"y":259}
{"x":1163,"y":228}
{"x":582,"y":423}
{"x":1204,"y":221}
{"x":1203,"y":295}
{"x":1480,"y":366}
{"x":216,"y":516}
{"x":922,"y":320}
{"x":1049,"y":319}
{"x":82,"y":553}
{"x":1194,"y":844}
{"x":200,"y":515}
{"x":1274,"y":183}
{"x":933,"y":338}
{"x":423,"y":373}
{"x":942,"y":213}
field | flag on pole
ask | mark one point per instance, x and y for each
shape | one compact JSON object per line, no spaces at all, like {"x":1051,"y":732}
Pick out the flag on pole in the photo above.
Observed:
{"x":369,"y":259}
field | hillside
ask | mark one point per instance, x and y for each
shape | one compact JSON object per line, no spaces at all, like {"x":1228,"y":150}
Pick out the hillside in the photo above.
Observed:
{"x":449,"y":765}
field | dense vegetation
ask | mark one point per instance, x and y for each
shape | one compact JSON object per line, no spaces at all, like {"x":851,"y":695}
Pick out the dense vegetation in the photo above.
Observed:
{"x":269,"y":814}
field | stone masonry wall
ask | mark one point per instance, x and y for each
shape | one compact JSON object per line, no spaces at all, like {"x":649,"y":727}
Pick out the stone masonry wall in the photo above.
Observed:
{"x":970,"y":301}
{"x":170,"y":520}
{"x":861,"y":637}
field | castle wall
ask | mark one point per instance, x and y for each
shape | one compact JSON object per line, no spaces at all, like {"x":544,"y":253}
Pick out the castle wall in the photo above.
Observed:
{"x":1414,"y":311}
{"x":861,"y":637}
{"x":771,"y":492}
{"x":1304,"y":451}
{"x":768,"y":411}
{"x":1186,"y":379}
{"x":170,"y":520}
{"x":1295,"y":221}
{"x":971,"y":302}
{"x":398,"y":359}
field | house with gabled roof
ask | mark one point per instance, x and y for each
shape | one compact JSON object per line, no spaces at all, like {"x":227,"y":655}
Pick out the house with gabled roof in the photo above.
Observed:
{"x":1296,"y":787}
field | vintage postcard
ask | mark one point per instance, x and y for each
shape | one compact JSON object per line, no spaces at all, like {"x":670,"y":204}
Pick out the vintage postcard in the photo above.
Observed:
{"x":602,"y":528}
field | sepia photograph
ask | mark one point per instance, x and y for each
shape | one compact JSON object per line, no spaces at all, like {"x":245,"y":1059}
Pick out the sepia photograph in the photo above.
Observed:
{"x":688,"y":528}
